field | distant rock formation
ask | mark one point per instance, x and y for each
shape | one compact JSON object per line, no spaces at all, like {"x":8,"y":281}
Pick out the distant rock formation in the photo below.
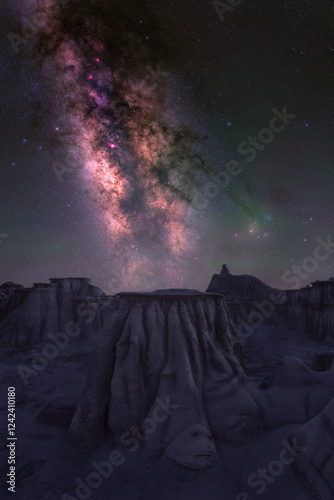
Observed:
{"x":311,"y":309}
{"x":49,"y":308}
{"x":253,"y":303}
{"x":247,"y":297}
{"x":243,"y":286}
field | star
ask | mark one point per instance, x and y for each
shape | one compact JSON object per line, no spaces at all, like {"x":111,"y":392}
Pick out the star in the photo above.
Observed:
{"x":148,"y":192}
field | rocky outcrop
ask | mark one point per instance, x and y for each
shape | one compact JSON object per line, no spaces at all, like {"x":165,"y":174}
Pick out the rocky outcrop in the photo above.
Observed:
{"x":311,"y":309}
{"x":291,"y":383}
{"x":253,"y":303}
{"x":164,"y":349}
{"x":250,"y":301}
{"x":243,"y":286}
{"x":59,"y":306}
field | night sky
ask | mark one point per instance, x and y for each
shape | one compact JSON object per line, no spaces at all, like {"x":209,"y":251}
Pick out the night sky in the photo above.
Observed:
{"x":146,"y":143}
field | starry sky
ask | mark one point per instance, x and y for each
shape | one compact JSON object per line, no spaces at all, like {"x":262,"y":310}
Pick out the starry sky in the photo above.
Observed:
{"x":146,"y":143}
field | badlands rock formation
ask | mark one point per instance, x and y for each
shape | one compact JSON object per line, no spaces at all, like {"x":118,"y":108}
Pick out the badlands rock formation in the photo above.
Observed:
{"x":59,"y":306}
{"x":253,"y":303}
{"x":225,"y":394}
{"x":160,"y":347}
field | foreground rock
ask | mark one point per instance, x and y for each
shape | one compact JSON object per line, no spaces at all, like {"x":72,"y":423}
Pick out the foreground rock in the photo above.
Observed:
{"x":168,"y":365}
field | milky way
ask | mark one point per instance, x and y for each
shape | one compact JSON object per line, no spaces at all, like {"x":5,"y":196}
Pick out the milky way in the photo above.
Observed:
{"x":113,"y":115}
{"x":121,"y":120}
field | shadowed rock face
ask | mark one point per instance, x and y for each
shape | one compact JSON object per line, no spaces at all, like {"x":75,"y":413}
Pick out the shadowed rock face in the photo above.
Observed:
{"x":316,"y":462}
{"x":311,"y":309}
{"x":303,"y":315}
{"x":304,"y":392}
{"x":6,"y":291}
{"x":160,"y":348}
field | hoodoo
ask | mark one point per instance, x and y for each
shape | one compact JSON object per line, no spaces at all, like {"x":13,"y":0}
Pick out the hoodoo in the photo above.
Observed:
{"x":176,"y":352}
